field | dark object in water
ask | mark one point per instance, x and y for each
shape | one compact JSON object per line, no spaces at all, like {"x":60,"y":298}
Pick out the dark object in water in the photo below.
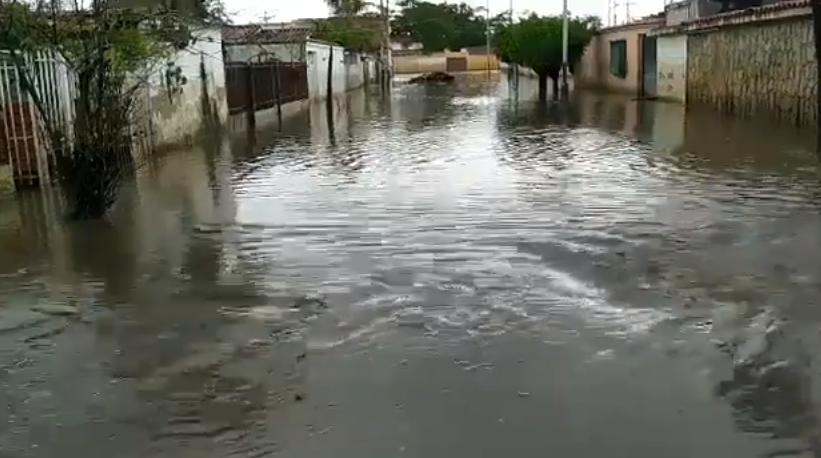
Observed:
{"x":434,"y":77}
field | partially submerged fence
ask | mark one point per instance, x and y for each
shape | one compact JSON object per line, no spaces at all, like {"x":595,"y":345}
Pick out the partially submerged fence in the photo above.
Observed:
{"x":257,"y":86}
{"x":22,"y":144}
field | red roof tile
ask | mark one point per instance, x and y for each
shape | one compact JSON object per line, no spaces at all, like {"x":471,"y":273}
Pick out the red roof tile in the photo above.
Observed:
{"x":258,"y":34}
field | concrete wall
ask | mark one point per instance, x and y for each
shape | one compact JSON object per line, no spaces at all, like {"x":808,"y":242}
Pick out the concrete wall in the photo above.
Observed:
{"x":348,"y":70}
{"x":285,"y":52}
{"x":6,"y":180}
{"x":755,"y":62}
{"x":594,"y":69}
{"x":437,"y":62}
{"x":672,"y":67}
{"x":173,"y":116}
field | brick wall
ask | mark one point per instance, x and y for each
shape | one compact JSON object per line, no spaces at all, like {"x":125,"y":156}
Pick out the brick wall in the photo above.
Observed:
{"x":758,"y":63}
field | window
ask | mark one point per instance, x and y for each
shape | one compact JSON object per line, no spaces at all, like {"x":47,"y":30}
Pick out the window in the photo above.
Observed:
{"x":618,"y":58}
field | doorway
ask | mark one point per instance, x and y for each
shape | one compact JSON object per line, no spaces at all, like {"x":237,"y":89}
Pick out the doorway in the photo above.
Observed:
{"x":648,"y":65}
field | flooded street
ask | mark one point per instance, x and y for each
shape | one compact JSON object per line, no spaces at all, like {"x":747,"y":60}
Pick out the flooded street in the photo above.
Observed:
{"x":450,"y":272}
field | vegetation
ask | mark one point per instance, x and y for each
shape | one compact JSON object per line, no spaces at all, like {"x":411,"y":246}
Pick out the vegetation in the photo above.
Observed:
{"x":440,"y":26}
{"x":361,"y":33}
{"x":110,"y":51}
{"x":536,"y":42}
{"x":347,"y":7}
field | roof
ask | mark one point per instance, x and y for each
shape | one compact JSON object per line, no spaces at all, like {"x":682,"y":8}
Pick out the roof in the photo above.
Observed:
{"x":637,"y":24}
{"x":256,"y":33}
{"x":757,"y":11}
{"x":774,"y":11}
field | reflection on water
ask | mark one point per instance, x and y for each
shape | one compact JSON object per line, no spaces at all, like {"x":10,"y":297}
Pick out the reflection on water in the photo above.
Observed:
{"x":355,"y":284}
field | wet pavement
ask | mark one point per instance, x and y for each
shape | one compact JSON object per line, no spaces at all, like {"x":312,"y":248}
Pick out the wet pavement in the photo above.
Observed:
{"x":452,"y":271}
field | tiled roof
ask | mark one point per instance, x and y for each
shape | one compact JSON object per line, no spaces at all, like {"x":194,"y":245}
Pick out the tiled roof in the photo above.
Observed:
{"x":754,"y":12}
{"x":257,"y":34}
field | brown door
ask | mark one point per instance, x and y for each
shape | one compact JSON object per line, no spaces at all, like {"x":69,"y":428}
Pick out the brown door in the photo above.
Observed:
{"x":457,"y":64}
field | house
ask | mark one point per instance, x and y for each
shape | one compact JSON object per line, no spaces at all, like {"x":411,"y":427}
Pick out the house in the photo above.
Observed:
{"x":289,"y":69}
{"x":621,"y":58}
{"x":401,"y":44}
{"x":166,"y":114}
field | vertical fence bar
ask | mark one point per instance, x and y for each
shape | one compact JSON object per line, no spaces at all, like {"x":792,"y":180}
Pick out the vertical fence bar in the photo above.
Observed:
{"x":12,"y":88}
{"x":4,"y":103}
{"x":251,"y":100}
{"x":38,"y":140}
{"x":278,"y":92}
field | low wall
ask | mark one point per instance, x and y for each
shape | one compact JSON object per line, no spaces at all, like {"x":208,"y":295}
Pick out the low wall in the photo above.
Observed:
{"x":523,"y":71}
{"x":6,"y":180}
{"x":421,"y":63}
{"x":289,"y":110}
{"x":757,"y":62}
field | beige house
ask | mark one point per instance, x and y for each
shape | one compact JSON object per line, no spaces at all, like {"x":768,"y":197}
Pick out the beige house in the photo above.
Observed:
{"x":621,"y":58}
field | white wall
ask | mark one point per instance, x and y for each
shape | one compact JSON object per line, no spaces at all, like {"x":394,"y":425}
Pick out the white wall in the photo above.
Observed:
{"x":355,"y":71}
{"x":672,"y":67}
{"x":176,"y":118}
{"x":285,"y":52}
{"x":317,"y":57}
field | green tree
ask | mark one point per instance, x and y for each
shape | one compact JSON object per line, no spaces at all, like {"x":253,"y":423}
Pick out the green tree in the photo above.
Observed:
{"x":347,"y":7}
{"x":439,"y":26}
{"x":536,"y":42}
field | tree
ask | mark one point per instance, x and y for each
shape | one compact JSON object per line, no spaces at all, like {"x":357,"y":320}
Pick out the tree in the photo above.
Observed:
{"x":360,"y":33}
{"x":440,"y":26}
{"x":110,"y":50}
{"x":347,"y":7}
{"x":536,"y":42}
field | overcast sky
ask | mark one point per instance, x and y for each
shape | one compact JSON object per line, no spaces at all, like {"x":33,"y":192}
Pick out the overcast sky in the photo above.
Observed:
{"x":285,"y":10}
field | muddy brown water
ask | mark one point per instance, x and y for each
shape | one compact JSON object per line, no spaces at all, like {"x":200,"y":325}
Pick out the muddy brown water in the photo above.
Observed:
{"x":452,"y":271}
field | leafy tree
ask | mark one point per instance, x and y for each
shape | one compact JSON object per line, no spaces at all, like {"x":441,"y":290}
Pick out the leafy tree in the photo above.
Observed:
{"x":360,"y":33}
{"x":110,"y":50}
{"x":536,"y":42}
{"x":439,"y":26}
{"x":347,"y":7}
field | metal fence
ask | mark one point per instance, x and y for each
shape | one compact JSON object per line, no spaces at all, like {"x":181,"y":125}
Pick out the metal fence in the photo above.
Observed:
{"x":22,"y":144}
{"x":263,"y":85}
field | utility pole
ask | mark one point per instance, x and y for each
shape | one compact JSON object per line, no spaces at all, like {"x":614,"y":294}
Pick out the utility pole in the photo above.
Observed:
{"x":388,"y":38}
{"x":385,"y":55}
{"x":487,"y":37}
{"x":565,"y":41}
{"x":613,"y":18}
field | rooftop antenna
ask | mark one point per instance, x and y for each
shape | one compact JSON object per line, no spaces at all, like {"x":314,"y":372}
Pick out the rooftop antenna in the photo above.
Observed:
{"x":614,"y":19}
{"x":627,"y":16}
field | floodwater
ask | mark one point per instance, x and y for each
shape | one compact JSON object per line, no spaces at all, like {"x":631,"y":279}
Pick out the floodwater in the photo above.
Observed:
{"x":448,"y":272}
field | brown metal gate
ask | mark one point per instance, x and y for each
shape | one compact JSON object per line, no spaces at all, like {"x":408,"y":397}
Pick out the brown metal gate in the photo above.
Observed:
{"x":260,"y":86}
{"x":456,"y":64}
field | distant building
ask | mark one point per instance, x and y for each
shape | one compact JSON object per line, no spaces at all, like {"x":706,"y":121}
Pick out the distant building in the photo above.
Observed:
{"x":405,"y":45}
{"x":621,"y":58}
